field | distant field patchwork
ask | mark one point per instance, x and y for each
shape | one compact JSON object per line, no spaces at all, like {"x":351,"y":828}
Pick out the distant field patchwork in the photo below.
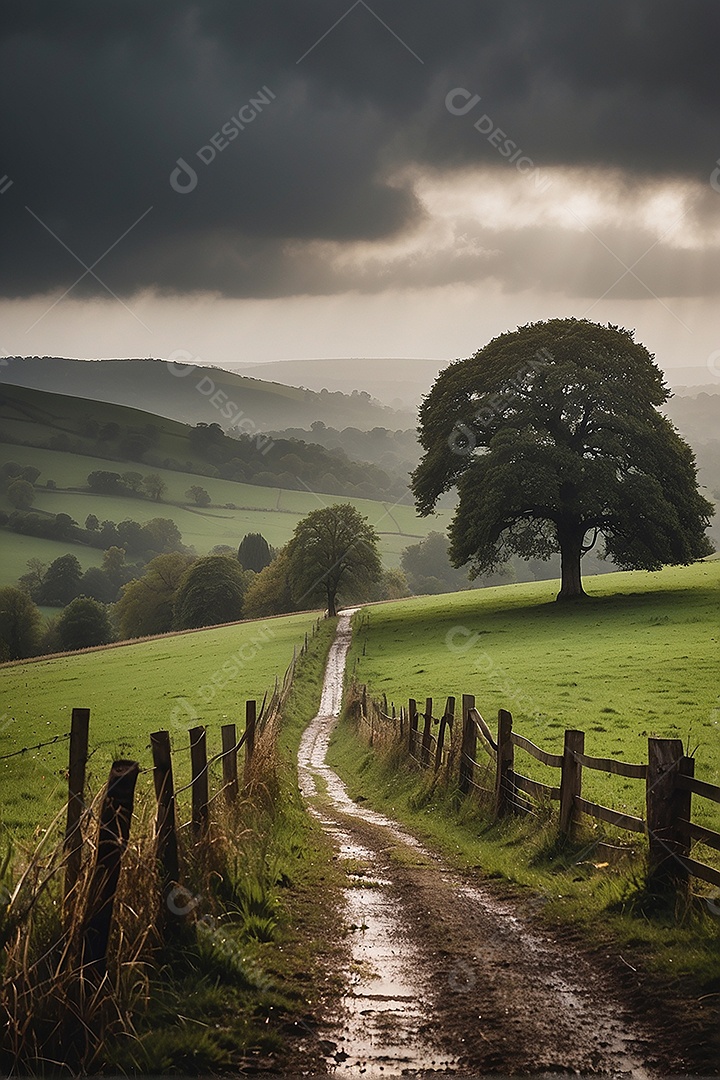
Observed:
{"x":272,"y":511}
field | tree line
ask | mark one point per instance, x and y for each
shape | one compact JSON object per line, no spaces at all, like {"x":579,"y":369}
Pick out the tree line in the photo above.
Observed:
{"x":333,"y":551}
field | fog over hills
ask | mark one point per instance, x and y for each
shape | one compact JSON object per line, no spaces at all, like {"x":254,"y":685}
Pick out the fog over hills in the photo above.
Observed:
{"x":195,"y":394}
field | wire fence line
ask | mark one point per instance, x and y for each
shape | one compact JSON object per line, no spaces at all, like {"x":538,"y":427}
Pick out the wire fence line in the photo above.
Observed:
{"x":38,"y":746}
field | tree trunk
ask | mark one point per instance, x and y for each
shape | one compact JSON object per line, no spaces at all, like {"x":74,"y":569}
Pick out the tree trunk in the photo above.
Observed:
{"x":571,"y":542}
{"x":331,"y":597}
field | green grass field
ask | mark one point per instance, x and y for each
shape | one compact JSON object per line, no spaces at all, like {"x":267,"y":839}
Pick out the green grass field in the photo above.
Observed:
{"x":15,"y":550}
{"x":172,"y":683}
{"x":639,"y":658}
{"x":272,"y":511}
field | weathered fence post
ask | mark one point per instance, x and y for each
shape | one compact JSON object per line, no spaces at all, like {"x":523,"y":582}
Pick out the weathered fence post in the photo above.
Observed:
{"x":113,"y":836}
{"x":668,"y":806}
{"x":79,"y":731}
{"x":250,"y":728}
{"x":571,"y":780}
{"x":427,"y":734}
{"x":505,"y":775}
{"x":468,"y":748}
{"x":198,"y":764}
{"x":402,"y":721}
{"x":229,"y":762}
{"x":166,"y":847}
{"x":447,"y":719}
{"x":413,"y":718}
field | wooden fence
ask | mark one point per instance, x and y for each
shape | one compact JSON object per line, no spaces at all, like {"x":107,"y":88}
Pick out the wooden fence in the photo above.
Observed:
{"x":114,"y":819}
{"x":668,"y":776}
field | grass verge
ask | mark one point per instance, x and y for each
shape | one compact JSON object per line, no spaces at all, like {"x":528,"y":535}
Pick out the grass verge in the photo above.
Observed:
{"x":235,"y":986}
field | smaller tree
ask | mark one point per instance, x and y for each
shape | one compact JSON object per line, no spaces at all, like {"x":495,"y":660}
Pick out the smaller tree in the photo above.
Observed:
{"x":155,"y":486}
{"x":133,"y":481}
{"x":113,"y":563}
{"x":211,"y":592}
{"x":96,"y":584}
{"x":20,"y":624}
{"x":146,"y":604}
{"x":269,"y":592}
{"x":91,"y":523}
{"x":198,"y":495}
{"x":61,"y":583}
{"x":332,"y":549}
{"x":21,"y":494}
{"x":32,"y":579}
{"x":254,"y":552}
{"x":105,"y":482}
{"x":30,"y":473}
{"x":84,"y":623}
{"x":162,"y":534}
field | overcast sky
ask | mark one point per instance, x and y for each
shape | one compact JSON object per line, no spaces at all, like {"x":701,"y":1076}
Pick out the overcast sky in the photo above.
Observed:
{"x":288,"y":179}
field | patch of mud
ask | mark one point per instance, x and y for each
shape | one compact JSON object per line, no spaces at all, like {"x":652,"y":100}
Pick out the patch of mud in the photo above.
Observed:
{"x":445,"y":977}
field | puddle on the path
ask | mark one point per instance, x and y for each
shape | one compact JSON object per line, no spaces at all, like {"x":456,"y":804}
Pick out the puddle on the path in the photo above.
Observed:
{"x":381,"y":1029}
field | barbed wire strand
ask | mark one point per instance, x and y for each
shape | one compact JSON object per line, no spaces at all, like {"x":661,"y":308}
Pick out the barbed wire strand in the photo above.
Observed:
{"x":39,"y":746}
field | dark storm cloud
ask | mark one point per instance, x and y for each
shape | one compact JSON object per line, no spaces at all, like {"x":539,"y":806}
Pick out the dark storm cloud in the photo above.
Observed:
{"x":101,"y":100}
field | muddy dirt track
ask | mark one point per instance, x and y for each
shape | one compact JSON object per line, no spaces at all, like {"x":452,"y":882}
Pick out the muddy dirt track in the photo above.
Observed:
{"x":445,"y":976}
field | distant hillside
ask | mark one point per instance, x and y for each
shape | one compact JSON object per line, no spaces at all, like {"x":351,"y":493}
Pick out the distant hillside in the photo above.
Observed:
{"x":60,"y":422}
{"x":201,"y":394}
{"x":398,"y":381}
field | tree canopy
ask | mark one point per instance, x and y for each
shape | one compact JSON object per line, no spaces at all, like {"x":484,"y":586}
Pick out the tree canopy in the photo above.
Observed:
{"x":20,"y":624}
{"x":84,"y":623}
{"x":212,"y":591}
{"x":61,"y":582}
{"x":332,"y":549}
{"x":269,"y":592}
{"x":254,"y":552}
{"x":146,"y":605}
{"x":552,"y":436}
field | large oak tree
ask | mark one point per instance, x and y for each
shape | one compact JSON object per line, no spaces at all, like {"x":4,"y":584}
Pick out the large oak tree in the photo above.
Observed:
{"x":552,"y":436}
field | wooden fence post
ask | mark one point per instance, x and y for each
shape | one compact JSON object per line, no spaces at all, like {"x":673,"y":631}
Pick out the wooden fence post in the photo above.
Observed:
{"x":427,"y":734}
{"x":468,"y":748}
{"x":113,"y":836}
{"x":250,"y":728}
{"x":413,"y":718}
{"x":79,"y":732}
{"x":166,"y":846}
{"x":505,"y":775}
{"x":447,"y":719}
{"x":198,"y":763}
{"x":229,"y":762}
{"x":667,"y":807}
{"x":571,"y":780}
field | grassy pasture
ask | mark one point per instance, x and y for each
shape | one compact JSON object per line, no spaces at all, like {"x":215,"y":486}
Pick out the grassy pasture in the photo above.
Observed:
{"x":15,"y":550}
{"x":272,"y":511}
{"x":173,"y":683}
{"x":639,"y":658}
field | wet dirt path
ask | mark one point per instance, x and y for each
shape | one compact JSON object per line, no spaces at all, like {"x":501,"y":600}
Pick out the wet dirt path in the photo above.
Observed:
{"x":445,"y":977}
